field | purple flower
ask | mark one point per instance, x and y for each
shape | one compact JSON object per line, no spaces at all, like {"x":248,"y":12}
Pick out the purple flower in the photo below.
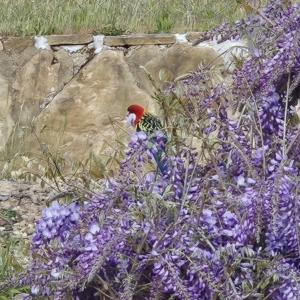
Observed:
{"x":224,"y":221}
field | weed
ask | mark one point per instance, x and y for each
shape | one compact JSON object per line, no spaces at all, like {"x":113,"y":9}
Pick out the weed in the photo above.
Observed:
{"x":11,"y":254}
{"x":164,"y":22}
{"x":32,"y":17}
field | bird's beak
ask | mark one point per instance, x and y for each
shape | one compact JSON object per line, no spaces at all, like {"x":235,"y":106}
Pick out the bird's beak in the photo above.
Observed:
{"x":130,"y":118}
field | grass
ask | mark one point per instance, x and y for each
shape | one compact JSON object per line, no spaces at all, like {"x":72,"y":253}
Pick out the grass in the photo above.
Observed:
{"x":13,"y":254}
{"x":35,"y":17}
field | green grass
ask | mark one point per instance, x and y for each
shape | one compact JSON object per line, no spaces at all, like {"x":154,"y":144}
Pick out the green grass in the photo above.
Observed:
{"x":36,"y":17}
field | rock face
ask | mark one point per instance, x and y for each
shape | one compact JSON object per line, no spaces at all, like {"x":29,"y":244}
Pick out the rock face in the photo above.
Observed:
{"x":6,"y":122}
{"x":17,"y":44}
{"x":178,"y":59}
{"x":35,"y":80}
{"x":83,"y":113}
{"x":78,"y":99}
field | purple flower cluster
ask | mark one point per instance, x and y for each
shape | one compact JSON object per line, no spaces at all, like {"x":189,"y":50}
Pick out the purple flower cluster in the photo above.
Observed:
{"x":222,"y":223}
{"x":55,"y":222}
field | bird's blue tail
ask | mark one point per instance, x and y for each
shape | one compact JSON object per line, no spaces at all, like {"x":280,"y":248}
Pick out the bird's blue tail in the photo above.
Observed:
{"x":156,"y":145}
{"x":161,"y":161}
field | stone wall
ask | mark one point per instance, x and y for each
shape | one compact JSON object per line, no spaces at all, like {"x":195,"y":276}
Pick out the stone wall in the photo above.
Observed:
{"x":73,"y":90}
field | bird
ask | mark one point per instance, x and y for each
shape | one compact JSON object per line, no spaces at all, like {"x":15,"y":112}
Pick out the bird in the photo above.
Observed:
{"x":142,"y":120}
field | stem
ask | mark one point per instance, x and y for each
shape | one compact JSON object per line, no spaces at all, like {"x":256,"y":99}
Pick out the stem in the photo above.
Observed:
{"x":285,"y":115}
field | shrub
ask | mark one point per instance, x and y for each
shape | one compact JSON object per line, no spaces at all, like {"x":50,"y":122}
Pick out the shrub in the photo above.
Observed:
{"x":224,"y":222}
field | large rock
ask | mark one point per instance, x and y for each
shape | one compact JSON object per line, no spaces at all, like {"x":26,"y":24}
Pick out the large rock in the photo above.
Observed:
{"x":178,"y":59}
{"x":17,"y":44}
{"x":71,"y":39}
{"x":26,"y":79}
{"x":6,"y":65}
{"x":10,"y":64}
{"x":36,"y":79}
{"x":65,"y":72}
{"x":81,"y":116}
{"x":6,"y":122}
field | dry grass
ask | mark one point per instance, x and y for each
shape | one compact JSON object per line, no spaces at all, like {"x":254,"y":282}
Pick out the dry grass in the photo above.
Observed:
{"x":34,"y":17}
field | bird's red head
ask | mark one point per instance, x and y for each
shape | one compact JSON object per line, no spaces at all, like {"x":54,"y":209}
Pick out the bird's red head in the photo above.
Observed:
{"x":137,"y":110}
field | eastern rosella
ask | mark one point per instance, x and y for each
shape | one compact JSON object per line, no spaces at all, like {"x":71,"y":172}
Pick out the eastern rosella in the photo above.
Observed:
{"x":139,"y":118}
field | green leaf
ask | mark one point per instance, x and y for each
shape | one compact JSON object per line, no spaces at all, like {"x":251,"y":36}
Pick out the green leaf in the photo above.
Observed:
{"x":165,"y":75}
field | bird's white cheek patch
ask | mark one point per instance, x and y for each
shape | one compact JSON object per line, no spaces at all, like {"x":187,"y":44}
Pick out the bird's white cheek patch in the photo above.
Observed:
{"x":130,"y":118}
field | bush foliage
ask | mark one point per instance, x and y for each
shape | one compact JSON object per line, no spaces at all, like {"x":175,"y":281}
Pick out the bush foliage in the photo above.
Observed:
{"x":224,"y":222}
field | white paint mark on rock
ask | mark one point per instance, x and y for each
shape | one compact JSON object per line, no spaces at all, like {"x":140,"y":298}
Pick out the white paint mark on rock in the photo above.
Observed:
{"x":41,"y":43}
{"x":181,"y":38}
{"x":98,"y":43}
